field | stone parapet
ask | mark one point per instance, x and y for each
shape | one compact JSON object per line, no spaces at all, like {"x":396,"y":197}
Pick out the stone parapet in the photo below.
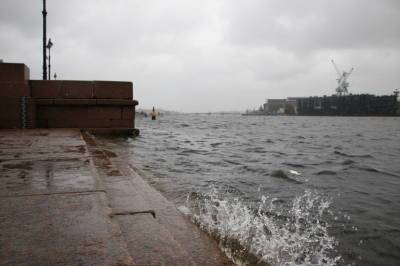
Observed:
{"x":17,"y":112}
{"x":101,"y":105}
{"x":76,"y":89}
{"x":14,"y":88}
{"x":14,"y":72}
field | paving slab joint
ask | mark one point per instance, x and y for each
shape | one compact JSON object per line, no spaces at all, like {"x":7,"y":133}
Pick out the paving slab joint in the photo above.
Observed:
{"x":55,"y":193}
{"x":152,"y":212}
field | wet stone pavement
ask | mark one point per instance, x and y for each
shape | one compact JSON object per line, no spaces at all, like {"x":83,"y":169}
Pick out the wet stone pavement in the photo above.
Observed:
{"x":64,"y":200}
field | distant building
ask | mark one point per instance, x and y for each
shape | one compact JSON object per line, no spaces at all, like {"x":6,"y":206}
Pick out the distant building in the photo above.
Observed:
{"x":281,"y":106}
{"x":274,"y":106}
{"x":349,"y":105}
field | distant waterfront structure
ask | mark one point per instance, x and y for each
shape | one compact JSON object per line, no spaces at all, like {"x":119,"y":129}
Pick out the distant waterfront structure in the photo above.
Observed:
{"x":286,"y":106}
{"x":342,"y":103}
{"x":334,"y":105}
{"x":349,"y":105}
{"x":343,"y":84}
{"x":274,"y":106}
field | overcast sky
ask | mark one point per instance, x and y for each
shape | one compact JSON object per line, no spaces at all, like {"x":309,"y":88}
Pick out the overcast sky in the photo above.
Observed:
{"x":211,"y":55}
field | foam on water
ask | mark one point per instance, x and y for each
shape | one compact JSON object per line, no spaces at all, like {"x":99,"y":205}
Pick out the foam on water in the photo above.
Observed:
{"x":268,"y":233}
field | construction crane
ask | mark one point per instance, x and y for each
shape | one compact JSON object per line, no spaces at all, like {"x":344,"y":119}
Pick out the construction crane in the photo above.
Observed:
{"x":342,"y":80}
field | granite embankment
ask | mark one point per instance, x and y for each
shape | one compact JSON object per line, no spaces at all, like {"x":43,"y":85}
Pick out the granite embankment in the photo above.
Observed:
{"x":64,"y":200}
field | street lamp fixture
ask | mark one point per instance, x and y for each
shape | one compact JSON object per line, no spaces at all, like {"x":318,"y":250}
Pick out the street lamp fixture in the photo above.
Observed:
{"x":48,"y":46}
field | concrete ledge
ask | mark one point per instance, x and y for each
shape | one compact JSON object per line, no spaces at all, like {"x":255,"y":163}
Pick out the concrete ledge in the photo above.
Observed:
{"x":58,"y":101}
{"x":75,"y":102}
{"x":165,"y":238}
{"x":117,"y":102}
{"x":152,"y":244}
{"x":117,"y":131}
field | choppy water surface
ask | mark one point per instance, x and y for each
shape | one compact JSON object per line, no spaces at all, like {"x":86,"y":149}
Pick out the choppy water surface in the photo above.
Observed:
{"x":287,"y":190}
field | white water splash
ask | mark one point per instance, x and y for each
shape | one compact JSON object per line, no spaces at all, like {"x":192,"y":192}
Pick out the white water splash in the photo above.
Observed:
{"x":293,"y":172}
{"x":297,"y":236}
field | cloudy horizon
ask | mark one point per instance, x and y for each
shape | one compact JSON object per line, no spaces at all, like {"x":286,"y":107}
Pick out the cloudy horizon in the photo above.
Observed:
{"x":212,"y":55}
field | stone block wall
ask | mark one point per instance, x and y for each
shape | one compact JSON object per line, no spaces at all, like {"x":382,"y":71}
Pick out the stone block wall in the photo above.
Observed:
{"x":17,"y":107}
{"x":97,"y":106}
{"x":14,"y":72}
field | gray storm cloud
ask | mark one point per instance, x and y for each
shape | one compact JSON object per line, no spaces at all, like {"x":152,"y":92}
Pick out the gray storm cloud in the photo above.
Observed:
{"x":200,"y":56}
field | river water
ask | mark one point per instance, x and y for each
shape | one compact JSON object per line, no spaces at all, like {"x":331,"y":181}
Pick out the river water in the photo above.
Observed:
{"x":288,"y":190}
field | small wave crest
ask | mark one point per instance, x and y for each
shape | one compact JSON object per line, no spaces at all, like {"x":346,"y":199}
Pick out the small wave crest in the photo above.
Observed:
{"x":266,"y":234}
{"x":326,"y":172}
{"x":282,"y":175}
{"x":376,"y":170}
{"x":353,"y":155}
{"x":298,"y":165}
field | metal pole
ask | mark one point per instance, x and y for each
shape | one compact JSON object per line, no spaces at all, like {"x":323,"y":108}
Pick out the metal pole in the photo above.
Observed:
{"x":49,"y":64}
{"x":44,"y":12}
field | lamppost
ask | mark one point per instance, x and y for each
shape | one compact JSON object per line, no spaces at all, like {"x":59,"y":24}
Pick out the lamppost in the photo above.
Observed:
{"x":44,"y":12}
{"x":49,"y":45}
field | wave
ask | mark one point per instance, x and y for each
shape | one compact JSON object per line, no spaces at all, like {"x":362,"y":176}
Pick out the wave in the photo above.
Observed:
{"x":281,"y":174}
{"x":326,"y":172}
{"x":353,"y":155}
{"x":253,"y":170}
{"x":231,"y":162}
{"x":347,"y":162}
{"x":266,"y":234}
{"x":255,"y":150}
{"x":375,"y":170}
{"x":369,"y":169}
{"x":295,"y":165}
{"x":216,"y":144}
{"x":188,"y":151}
